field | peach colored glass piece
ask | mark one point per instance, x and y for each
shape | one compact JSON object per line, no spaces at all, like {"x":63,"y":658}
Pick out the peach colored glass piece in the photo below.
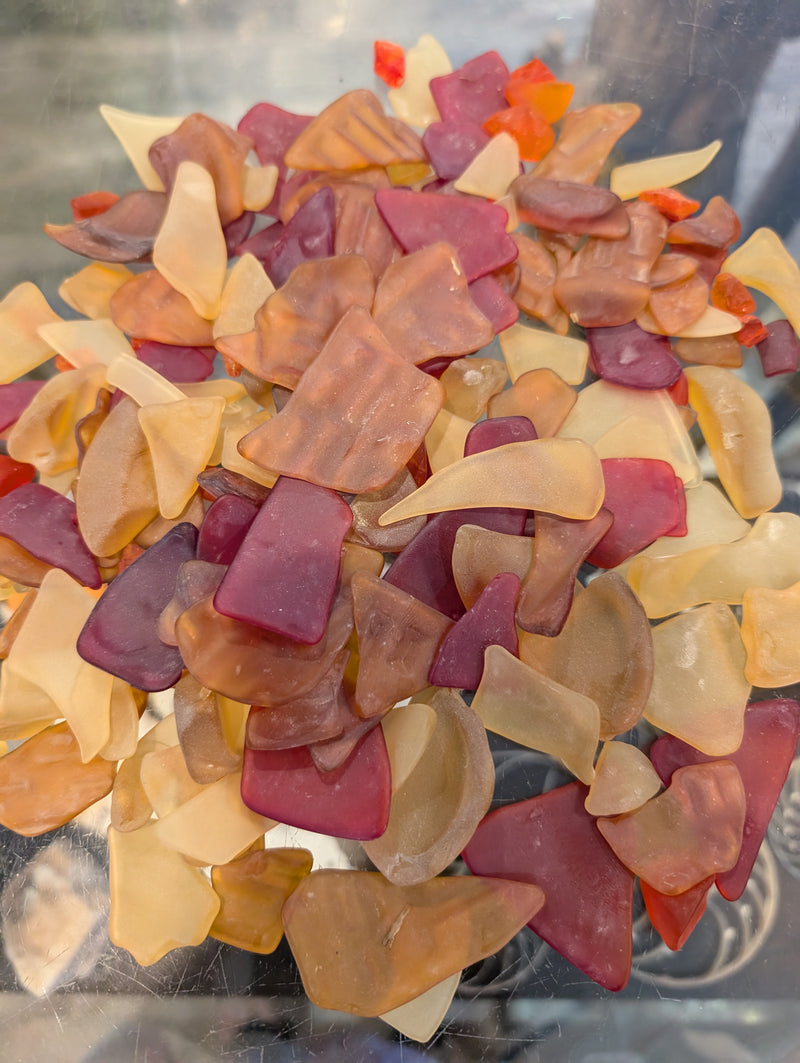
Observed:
{"x":673,"y":308}
{"x":435,"y":811}
{"x":770,"y":621}
{"x":540,"y":395}
{"x":166,"y":780}
{"x":124,"y":723}
{"x":158,"y":902}
{"x":492,"y":170}
{"x":420,"y":1018}
{"x":480,"y":554}
{"x":368,"y":507}
{"x":246,"y":290}
{"x":12,"y":626}
{"x":413,"y":102}
{"x":737,"y":428}
{"x":672,"y":268}
{"x":407,"y":730}
{"x":624,"y":779}
{"x":147,"y":306}
{"x":534,"y":293}
{"x":533,"y":710}
{"x":365,"y":946}
{"x":725,"y":351}
{"x":369,"y":407}
{"x":699,"y":690}
{"x":84,"y":343}
{"x":258,"y":186}
{"x":663,"y":171}
{"x":25,"y":708}
{"x":360,"y":229}
{"x":371,"y":177}
{"x":585,"y":140}
{"x":762,"y":262}
{"x":136,"y":132}
{"x":692,"y":830}
{"x":527,"y":349}
{"x":22,"y":311}
{"x":89,"y":290}
{"x":561,"y":476}
{"x":130,"y":805}
{"x":252,"y":891}
{"x":445,"y":440}
{"x":20,"y":566}
{"x":200,"y":730}
{"x":470,"y":384}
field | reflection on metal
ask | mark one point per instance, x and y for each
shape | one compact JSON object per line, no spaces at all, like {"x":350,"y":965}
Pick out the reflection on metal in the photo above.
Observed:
{"x":784,"y":827}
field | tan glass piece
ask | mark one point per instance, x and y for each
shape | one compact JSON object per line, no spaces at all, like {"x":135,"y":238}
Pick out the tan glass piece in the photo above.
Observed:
{"x":536,"y":268}
{"x":470,"y":384}
{"x":533,"y":710}
{"x":158,"y":901}
{"x":124,"y":722}
{"x":412,"y":101}
{"x":492,"y":170}
{"x":480,"y":554}
{"x":25,"y":708}
{"x":166,"y":780}
{"x":368,"y":507}
{"x":421,"y":1017}
{"x":526,"y":349}
{"x":246,"y":289}
{"x":725,"y":351}
{"x":136,"y":132}
{"x":585,"y":140}
{"x":663,"y":171}
{"x":762,"y":262}
{"x":770,"y":623}
{"x":130,"y":805}
{"x":737,"y":428}
{"x":252,"y":891}
{"x":675,"y":308}
{"x":699,"y":690}
{"x":22,"y":312}
{"x":258,"y":186}
{"x":406,"y":731}
{"x":19,"y":565}
{"x":624,"y":779}
{"x":365,"y":946}
{"x":445,"y":439}
{"x":198,"y":718}
{"x":84,"y":343}
{"x":542,"y":395}
{"x":148,"y":307}
{"x":231,"y":459}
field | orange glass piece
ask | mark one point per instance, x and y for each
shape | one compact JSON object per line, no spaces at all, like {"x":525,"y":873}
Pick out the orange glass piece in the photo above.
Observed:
{"x":22,"y":311}
{"x":368,"y":507}
{"x":549,"y":98}
{"x":541,"y":395}
{"x":585,"y":141}
{"x":672,"y":268}
{"x":201,"y":733}
{"x":471,"y":383}
{"x":17,"y":564}
{"x":364,"y":945}
{"x":147,"y":306}
{"x":528,"y":127}
{"x":672,"y":308}
{"x":89,"y":290}
{"x":480,"y":554}
{"x":369,"y":408}
{"x":670,"y":202}
{"x":728,"y":293}
{"x":534,"y":294}
{"x":753,"y":331}
{"x":389,"y":63}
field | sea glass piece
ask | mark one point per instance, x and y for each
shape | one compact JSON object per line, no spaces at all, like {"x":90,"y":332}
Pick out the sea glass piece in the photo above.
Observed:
{"x":716,"y":226}
{"x":86,"y":342}
{"x":710,"y":350}
{"x":136,"y":132}
{"x":252,"y":891}
{"x":166,"y":780}
{"x":12,"y":626}
{"x":45,"y":783}
{"x":674,"y":918}
{"x":627,"y":355}
{"x":541,"y":395}
{"x":737,"y":428}
{"x":663,"y":171}
{"x":762,"y":262}
{"x":780,"y":351}
{"x":692,"y":830}
{"x":526,"y":349}
{"x":407,"y":729}
{"x":671,"y":202}
{"x":479,"y":554}
{"x":494,"y":303}
{"x":700,"y":697}
{"x":124,"y":712}
{"x":470,"y":383}
{"x":473,"y":91}
{"x":519,"y":703}
{"x":586,"y":138}
{"x":258,"y":187}
{"x":569,"y":207}
{"x":534,"y":293}
{"x":360,"y":229}
{"x":141,"y":382}
{"x":368,"y":507}
{"x":308,"y":235}
{"x":553,"y":841}
{"x":492,"y":170}
{"x":446,"y":439}
{"x":14,"y":399}
{"x":200,"y":732}
{"x":130,"y":805}
{"x":25,"y":709}
{"x":125,"y":232}
{"x":179,"y":365}
{"x":246,"y":289}
{"x":413,"y":102}
{"x":769,"y":633}
{"x":365,"y":946}
{"x":272,"y":131}
{"x":624,"y":779}
{"x":22,"y":312}
{"x":451,"y":146}
{"x":224,"y":527}
{"x":420,"y":1018}
{"x":147,"y":306}
{"x":532,"y":134}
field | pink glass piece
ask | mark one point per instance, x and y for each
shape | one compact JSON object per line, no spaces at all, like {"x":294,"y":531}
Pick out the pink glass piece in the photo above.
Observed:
{"x":451,"y":146}
{"x":237,"y":231}
{"x":779,"y":352}
{"x":473,"y":92}
{"x":284,"y":574}
{"x":676,"y":917}
{"x":569,"y":207}
{"x":224,"y":527}
{"x":490,"y":621}
{"x":497,"y":432}
{"x":642,"y":493}
{"x":474,"y":227}
{"x":350,"y":802}
{"x":181,"y":365}
{"x":14,"y":398}
{"x":43,"y":522}
{"x":493,"y":302}
{"x":627,"y":355}
{"x":121,"y":634}
{"x":552,"y":841}
{"x":771,"y":731}
{"x":260,"y":244}
{"x":309,"y":234}
{"x":125,"y":232}
{"x":272,"y":131}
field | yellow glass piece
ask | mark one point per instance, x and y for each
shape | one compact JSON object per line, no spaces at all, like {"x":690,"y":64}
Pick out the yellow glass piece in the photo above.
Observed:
{"x":525,"y":348}
{"x":533,"y":710}
{"x":410,"y":174}
{"x":492,"y":170}
{"x":762,"y":262}
{"x":664,"y":171}
{"x":770,"y":622}
{"x":89,"y":290}
{"x":190,"y":250}
{"x":237,"y":401}
{"x":470,"y":383}
{"x":123,"y":723}
{"x":246,"y":290}
{"x":561,"y":476}
{"x":232,"y":459}
{"x":136,"y":133}
{"x":412,"y":101}
{"x":421,"y":1017}
{"x":87,"y":342}
{"x":166,"y":780}
{"x":480,"y":554}
{"x":130,"y":805}
{"x":406,"y":731}
{"x":158,"y":902}
{"x":699,"y":690}
{"x":144,"y":384}
{"x":445,"y":439}
{"x":22,"y":312}
{"x":25,"y":709}
{"x":624,"y":779}
{"x":258,"y":186}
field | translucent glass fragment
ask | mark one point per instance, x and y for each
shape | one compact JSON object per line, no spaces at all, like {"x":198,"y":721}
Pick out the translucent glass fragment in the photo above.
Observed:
{"x":526,"y":349}
{"x":624,"y":779}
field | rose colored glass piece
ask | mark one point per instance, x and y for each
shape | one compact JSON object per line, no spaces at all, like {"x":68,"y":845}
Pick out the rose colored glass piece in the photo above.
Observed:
{"x":452,"y":145}
{"x":569,"y":207}
{"x":252,"y":891}
{"x":470,"y":383}
{"x":624,"y":779}
{"x":473,"y":92}
{"x":535,"y":293}
{"x":585,"y":140}
{"x":309,"y":235}
{"x":353,"y":132}
{"x":780,"y":351}
{"x":360,"y":229}
{"x":671,"y":268}
{"x":474,"y":228}
{"x":120,"y":636}
{"x":491,"y":299}
{"x":369,"y":406}
{"x":224,"y":527}
{"x":217,"y":481}
{"x":692,"y":830}
{"x":541,"y":395}
{"x":261,"y":243}
{"x":14,"y":398}
{"x":398,"y":637}
{"x":674,"y":918}
{"x":497,"y":432}
{"x":724,"y":351}
{"x":148,"y":306}
{"x":769,"y":633}
{"x":200,"y":732}
{"x":331,"y":753}
{"x":716,"y":226}
{"x":480,"y":554}
{"x":435,"y":813}
{"x":771,"y":731}
{"x":180,"y":365}
{"x":559,"y":549}
{"x":368,"y":507}
{"x":302,"y":186}
{"x":365,"y":946}
{"x":272,"y":131}
{"x":553,"y":841}
{"x":700,"y":697}
{"x":125,"y":232}
{"x":627,"y":355}
{"x":350,"y":802}
{"x":44,"y":783}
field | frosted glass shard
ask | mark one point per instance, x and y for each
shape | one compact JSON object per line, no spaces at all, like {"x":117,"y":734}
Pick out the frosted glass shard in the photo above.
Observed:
{"x":525,"y":349}
{"x":480,"y":554}
{"x":445,"y":439}
{"x":492,"y":170}
{"x":406,"y":731}
{"x":22,"y":312}
{"x":770,"y":620}
{"x":663,"y":171}
{"x":136,"y":132}
{"x":85,"y":343}
{"x":624,"y":779}
{"x":246,"y":289}
{"x":421,"y":1017}
{"x":413,"y":102}
{"x":89,"y":290}
{"x":762,"y":262}
{"x":586,"y":138}
{"x":541,"y":395}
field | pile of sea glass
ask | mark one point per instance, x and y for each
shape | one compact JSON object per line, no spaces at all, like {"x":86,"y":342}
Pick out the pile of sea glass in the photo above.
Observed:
{"x":275,"y":470}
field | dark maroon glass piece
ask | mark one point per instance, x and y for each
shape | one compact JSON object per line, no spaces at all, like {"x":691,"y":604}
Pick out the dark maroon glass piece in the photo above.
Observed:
{"x":224,"y":527}
{"x":14,"y":398}
{"x":497,"y":432}
{"x":237,"y":231}
{"x":309,"y":234}
{"x":627,"y":355}
{"x":451,"y":146}
{"x":780,"y":351}
{"x":473,"y":92}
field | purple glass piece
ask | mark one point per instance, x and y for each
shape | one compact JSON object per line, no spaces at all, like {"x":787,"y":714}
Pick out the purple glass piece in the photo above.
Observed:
{"x":237,"y":231}
{"x":473,"y":92}
{"x":272,"y":131}
{"x":14,"y":398}
{"x":224,"y":527}
{"x":780,"y":351}
{"x":627,"y":355}
{"x":309,"y":234}
{"x":125,"y":232}
{"x":43,"y":522}
{"x":451,"y":146}
{"x":284,"y":574}
{"x":497,"y":432}
{"x":494,"y":302}
{"x":262,"y":242}
{"x":121,"y":634}
{"x":181,"y":365}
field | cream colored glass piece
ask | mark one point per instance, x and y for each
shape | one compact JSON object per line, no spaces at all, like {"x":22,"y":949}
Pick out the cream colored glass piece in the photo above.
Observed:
{"x":87,"y":342}
{"x":190,"y":250}
{"x":561,"y":476}
{"x":136,"y":133}
{"x":89,"y":290}
{"x":231,"y":459}
{"x":762,"y":262}
{"x":406,"y":731}
{"x":25,"y":709}
{"x":492,"y":170}
{"x":699,"y":690}
{"x":519,"y":703}
{"x":509,"y":205}
{"x":158,"y":902}
{"x":413,"y":102}
{"x":166,"y":780}
{"x":144,"y":384}
{"x":480,"y":554}
{"x":130,"y":805}
{"x":624,"y":779}
{"x":258,"y":186}
{"x":445,"y":440}
{"x":712,"y":322}
{"x":421,"y":1017}
{"x":246,"y":290}
{"x":770,"y":625}
{"x":124,"y":723}
{"x":664,"y":171}
{"x":22,"y":349}
{"x":237,"y":402}
{"x":525,"y":348}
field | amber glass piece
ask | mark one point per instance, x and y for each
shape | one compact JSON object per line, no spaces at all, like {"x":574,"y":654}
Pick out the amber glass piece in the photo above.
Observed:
{"x":700,"y":697}
{"x":252,"y":891}
{"x":446,"y":439}
{"x":762,"y":262}
{"x":624,"y":779}
{"x":435,"y":811}
{"x":247,"y":287}
{"x":200,"y":732}
{"x":691,"y":831}
{"x":22,"y":311}
{"x":526,"y":349}
{"x":89,"y":290}
{"x":550,"y":98}
{"x":535,"y":292}
{"x":368,"y":507}
{"x":737,"y":428}
{"x":407,"y":729}
{"x":124,"y":712}
{"x":540,"y":395}
{"x":19,"y":565}
{"x":130,"y":805}
{"x":149,"y":307}
{"x":413,"y":102}
{"x":724,"y":351}
{"x":470,"y":384}
{"x":365,"y":945}
{"x":480,"y":554}
{"x":769,"y":632}
{"x":370,"y":409}
{"x":25,"y":708}
{"x":12,"y":626}
{"x":44,"y":783}
{"x":585,"y":140}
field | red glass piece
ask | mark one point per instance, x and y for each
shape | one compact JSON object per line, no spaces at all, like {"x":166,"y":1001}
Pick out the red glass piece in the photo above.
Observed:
{"x":351,"y":801}
{"x":674,"y":205}
{"x":679,"y":391}
{"x":497,"y":432}
{"x":752,"y":332}
{"x":121,"y":634}
{"x":627,"y":355}
{"x":771,"y":732}
{"x":389,"y":63}
{"x":534,"y":135}
{"x":272,"y":131}
{"x":309,"y":234}
{"x":125,"y":232}
{"x":493,"y":302}
{"x":642,"y":493}
{"x":552,"y":841}
{"x":475,"y":228}
{"x":225,"y":524}
{"x":676,"y":917}
{"x":43,"y":522}
{"x":14,"y":398}
{"x":14,"y":474}
{"x":473,"y":92}
{"x":181,"y":365}
{"x":284,"y":574}
{"x":451,"y":146}
{"x":92,"y":203}
{"x":779,"y":352}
